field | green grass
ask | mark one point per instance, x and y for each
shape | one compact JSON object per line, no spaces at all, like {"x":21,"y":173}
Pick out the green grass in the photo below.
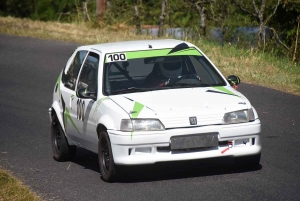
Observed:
{"x":250,"y":65}
{"x":255,"y":68}
{"x":12,"y":189}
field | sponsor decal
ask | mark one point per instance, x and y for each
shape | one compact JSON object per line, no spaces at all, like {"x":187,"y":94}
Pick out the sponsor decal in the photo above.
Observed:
{"x":151,"y":53}
{"x":66,"y":116}
{"x":193,"y":120}
{"x":116,"y":57}
{"x":80,"y":109}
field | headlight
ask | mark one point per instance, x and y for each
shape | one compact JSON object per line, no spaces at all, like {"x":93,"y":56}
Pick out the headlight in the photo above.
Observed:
{"x":240,"y":116}
{"x":141,"y":125}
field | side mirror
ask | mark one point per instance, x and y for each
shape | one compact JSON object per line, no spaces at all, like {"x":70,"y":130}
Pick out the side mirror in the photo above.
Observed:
{"x":84,"y":93}
{"x":233,"y":80}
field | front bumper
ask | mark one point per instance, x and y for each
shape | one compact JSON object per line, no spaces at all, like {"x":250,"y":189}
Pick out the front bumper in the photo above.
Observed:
{"x":147,"y":148}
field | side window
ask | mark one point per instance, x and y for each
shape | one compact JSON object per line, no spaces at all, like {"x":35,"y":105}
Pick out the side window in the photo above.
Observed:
{"x":70,"y":77}
{"x":88,"y":78}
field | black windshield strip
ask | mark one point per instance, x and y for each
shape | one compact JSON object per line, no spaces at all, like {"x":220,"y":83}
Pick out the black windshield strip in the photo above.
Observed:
{"x":219,"y":92}
{"x":179,"y":47}
{"x":129,"y":99}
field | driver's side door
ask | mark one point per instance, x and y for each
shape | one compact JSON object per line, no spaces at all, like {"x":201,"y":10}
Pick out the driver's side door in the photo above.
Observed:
{"x":87,"y":81}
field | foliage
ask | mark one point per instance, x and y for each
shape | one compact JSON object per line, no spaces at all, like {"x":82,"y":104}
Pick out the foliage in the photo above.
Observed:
{"x":17,"y":8}
{"x":223,"y":14}
{"x":285,"y":22}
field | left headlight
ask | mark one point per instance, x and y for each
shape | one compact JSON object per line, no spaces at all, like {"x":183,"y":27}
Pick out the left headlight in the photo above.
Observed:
{"x":141,"y":125}
{"x":240,"y":116}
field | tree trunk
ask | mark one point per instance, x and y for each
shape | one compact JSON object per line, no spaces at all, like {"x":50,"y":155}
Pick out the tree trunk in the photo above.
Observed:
{"x":296,"y":43}
{"x":85,"y":11}
{"x":201,"y":9}
{"x":202,"y":20}
{"x":260,"y":33}
{"x":137,"y":20}
{"x":260,"y":15}
{"x":100,"y":9}
{"x":162,"y":18}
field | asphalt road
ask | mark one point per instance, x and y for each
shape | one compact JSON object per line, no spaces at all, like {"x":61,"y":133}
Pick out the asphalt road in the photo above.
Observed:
{"x":28,"y":71}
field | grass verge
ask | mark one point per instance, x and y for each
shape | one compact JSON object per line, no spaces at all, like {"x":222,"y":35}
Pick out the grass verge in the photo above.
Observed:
{"x":12,"y":189}
{"x":250,"y":65}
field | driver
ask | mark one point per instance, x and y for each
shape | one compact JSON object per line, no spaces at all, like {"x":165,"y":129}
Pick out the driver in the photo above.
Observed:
{"x":163,"y":71}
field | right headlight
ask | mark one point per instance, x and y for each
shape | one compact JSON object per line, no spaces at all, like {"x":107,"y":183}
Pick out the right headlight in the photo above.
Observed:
{"x":141,"y":125}
{"x":241,"y":116}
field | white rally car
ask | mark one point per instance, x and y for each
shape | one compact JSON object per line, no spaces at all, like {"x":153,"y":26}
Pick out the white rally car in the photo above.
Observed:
{"x":142,"y":102}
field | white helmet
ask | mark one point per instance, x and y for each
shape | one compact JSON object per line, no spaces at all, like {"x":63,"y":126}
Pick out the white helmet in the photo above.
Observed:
{"x":171,"y":68}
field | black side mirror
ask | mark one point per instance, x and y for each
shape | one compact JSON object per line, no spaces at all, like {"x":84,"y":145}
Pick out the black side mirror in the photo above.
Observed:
{"x":84,"y":93}
{"x":233,"y":80}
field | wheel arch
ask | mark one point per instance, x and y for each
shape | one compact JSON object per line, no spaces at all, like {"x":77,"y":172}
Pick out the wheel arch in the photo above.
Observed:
{"x":55,"y":110}
{"x":105,"y":123}
{"x":100,"y":127}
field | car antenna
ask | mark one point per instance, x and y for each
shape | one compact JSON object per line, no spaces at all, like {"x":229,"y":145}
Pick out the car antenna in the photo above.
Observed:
{"x":150,"y":46}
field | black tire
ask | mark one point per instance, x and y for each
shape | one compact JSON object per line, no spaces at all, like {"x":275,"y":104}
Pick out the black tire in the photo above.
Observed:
{"x":248,"y":161}
{"x":105,"y":157}
{"x":62,"y":151}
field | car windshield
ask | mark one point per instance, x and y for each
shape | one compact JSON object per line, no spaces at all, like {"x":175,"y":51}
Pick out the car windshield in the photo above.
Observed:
{"x":139,"y":71}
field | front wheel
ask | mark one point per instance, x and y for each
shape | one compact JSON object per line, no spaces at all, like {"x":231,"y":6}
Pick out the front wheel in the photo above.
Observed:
{"x":62,"y":151}
{"x":105,"y":157}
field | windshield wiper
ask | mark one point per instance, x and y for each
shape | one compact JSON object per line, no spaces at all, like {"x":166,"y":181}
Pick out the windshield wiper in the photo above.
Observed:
{"x":183,"y":85}
{"x":130,"y":90}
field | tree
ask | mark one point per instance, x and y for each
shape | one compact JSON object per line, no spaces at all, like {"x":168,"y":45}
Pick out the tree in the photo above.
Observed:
{"x":296,"y":42}
{"x":85,"y":11}
{"x":259,"y":13}
{"x":137,"y":16}
{"x":100,"y":9}
{"x":201,"y":7}
{"x":286,"y":23}
{"x":164,"y":4}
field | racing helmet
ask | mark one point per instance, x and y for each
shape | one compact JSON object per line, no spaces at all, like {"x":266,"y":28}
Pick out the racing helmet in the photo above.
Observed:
{"x":171,"y":67}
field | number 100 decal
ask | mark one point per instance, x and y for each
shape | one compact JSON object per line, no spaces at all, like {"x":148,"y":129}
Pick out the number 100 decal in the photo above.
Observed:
{"x":116,"y":57}
{"x":80,"y":109}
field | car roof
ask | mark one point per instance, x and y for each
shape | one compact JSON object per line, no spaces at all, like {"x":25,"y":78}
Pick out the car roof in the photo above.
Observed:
{"x":126,"y":46}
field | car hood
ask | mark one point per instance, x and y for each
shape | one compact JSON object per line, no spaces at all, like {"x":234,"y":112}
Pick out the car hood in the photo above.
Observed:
{"x":173,"y":107}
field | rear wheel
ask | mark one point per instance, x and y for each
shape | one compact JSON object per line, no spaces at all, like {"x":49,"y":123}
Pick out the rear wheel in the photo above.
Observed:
{"x":106,"y":161}
{"x":62,"y":151}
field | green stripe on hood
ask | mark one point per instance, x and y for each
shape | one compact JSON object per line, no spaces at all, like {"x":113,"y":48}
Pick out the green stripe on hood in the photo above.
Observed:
{"x":137,"y":108}
{"x":223,"y":89}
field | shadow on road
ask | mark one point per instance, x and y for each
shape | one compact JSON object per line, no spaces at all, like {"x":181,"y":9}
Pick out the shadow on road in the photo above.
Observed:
{"x":166,"y":170}
{"x":182,"y":169}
